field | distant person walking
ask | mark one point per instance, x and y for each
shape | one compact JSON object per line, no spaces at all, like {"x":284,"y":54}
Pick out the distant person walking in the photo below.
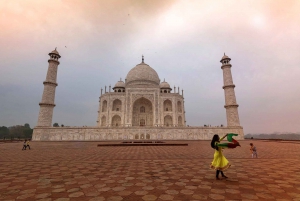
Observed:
{"x":220,"y":163}
{"x":27,"y":144}
{"x":253,"y":150}
{"x":24,"y":145}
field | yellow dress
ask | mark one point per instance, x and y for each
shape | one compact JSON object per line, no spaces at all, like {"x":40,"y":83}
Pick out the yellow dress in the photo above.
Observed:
{"x":219,"y":162}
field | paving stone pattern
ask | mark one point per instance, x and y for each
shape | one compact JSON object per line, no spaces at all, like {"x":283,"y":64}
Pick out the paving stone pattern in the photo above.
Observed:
{"x":82,"y":171}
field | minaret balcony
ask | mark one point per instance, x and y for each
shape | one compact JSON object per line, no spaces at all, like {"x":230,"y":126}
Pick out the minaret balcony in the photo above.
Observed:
{"x":53,"y":60}
{"x":229,"y":86}
{"x":50,"y":83}
{"x":231,"y":106}
{"x":226,"y":66}
{"x":47,"y":104}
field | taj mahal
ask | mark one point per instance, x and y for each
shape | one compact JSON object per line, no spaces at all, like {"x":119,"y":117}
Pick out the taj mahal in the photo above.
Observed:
{"x":141,"y":101}
{"x":141,"y":108}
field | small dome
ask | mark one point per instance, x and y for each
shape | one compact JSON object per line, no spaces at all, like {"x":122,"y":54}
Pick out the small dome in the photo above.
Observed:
{"x":164,"y":85}
{"x":119,"y":84}
{"x":142,"y":73}
{"x":225,"y":57}
{"x":55,"y":52}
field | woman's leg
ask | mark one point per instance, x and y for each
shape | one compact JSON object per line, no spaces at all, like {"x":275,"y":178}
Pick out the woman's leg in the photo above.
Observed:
{"x":217,"y":174}
{"x":223,"y":175}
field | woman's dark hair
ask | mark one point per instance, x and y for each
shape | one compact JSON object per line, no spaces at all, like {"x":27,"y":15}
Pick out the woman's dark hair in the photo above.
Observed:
{"x":215,"y":138}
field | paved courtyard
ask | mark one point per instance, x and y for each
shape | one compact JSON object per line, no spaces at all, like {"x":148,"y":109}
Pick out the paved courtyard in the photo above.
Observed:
{"x":82,"y":171}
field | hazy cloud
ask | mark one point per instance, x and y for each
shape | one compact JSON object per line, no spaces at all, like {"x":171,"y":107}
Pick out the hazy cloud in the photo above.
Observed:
{"x":100,"y":41}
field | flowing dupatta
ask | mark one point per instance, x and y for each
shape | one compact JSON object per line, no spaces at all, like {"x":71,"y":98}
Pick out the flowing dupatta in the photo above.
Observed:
{"x":233,"y":143}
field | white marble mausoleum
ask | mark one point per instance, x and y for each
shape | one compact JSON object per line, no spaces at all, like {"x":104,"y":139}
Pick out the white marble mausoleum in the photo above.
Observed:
{"x":142,"y":100}
{"x":140,"y":108}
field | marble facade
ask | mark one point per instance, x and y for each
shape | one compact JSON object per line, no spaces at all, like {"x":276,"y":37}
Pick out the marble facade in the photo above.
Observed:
{"x":141,"y":108}
{"x":131,"y":133}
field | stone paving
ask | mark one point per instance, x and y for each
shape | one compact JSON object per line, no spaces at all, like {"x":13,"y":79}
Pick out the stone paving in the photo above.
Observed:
{"x":82,"y":171}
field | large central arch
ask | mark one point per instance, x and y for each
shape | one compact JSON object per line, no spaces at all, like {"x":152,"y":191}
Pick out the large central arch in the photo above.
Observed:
{"x":142,"y":113}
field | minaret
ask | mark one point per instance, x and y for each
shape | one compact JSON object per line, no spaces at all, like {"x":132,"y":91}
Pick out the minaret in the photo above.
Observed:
{"x":47,"y":103}
{"x":230,"y":100}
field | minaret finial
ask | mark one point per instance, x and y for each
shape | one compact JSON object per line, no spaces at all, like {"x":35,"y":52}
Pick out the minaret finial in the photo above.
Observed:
{"x":164,"y":80}
{"x":142,"y":58}
{"x":120,"y":79}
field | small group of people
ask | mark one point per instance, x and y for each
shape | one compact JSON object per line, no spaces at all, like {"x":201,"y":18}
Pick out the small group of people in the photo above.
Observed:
{"x":26,"y":144}
{"x":220,"y":163}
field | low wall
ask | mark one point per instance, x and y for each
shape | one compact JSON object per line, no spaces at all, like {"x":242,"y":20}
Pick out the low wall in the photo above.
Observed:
{"x":131,"y":133}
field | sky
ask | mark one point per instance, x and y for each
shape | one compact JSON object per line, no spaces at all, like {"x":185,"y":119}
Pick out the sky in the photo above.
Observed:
{"x":100,"y":41}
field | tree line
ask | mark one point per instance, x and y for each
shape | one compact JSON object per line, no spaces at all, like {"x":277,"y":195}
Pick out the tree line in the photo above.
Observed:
{"x":16,"y":132}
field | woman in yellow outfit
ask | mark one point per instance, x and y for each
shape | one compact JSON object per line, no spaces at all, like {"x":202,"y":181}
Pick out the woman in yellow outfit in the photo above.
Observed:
{"x":219,"y":163}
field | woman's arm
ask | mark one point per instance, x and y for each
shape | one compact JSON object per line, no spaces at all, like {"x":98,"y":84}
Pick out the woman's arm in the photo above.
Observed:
{"x":223,"y":137}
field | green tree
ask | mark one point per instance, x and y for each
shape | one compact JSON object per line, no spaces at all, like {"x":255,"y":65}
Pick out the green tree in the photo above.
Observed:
{"x":27,"y":132}
{"x":55,"y":125}
{"x":4,"y":132}
{"x":16,"y":131}
{"x":19,"y":131}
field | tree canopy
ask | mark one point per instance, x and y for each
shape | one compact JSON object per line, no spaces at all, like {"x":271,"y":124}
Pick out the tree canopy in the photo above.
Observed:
{"x":17,"y":131}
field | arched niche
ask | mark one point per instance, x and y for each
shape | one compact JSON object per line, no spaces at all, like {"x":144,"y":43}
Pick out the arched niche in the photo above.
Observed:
{"x":116,"y":120}
{"x":180,"y":121}
{"x":179,"y":106}
{"x":142,"y":122}
{"x":103,"y":121}
{"x":168,"y":121}
{"x":117,"y":105}
{"x":142,"y":110}
{"x":167,"y":105}
{"x":104,"y":106}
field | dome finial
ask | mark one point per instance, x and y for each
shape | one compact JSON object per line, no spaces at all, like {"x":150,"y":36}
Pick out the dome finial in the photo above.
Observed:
{"x":164,"y":80}
{"x":224,"y":53}
{"x":142,"y":58}
{"x":120,"y":79}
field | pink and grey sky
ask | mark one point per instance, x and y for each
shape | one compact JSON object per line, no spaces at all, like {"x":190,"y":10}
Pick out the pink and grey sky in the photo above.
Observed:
{"x":100,"y":41}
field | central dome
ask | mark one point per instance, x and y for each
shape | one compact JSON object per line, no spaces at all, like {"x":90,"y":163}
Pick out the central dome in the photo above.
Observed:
{"x":142,"y":74}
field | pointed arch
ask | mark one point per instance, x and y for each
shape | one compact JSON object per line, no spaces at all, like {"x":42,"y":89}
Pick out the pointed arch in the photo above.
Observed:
{"x":103,"y":121}
{"x":180,"y":121}
{"x":104,"y":106}
{"x":179,"y":106}
{"x":168,"y":121}
{"x":116,"y":120}
{"x":167,"y":105}
{"x":117,"y":105}
{"x":142,"y":110}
